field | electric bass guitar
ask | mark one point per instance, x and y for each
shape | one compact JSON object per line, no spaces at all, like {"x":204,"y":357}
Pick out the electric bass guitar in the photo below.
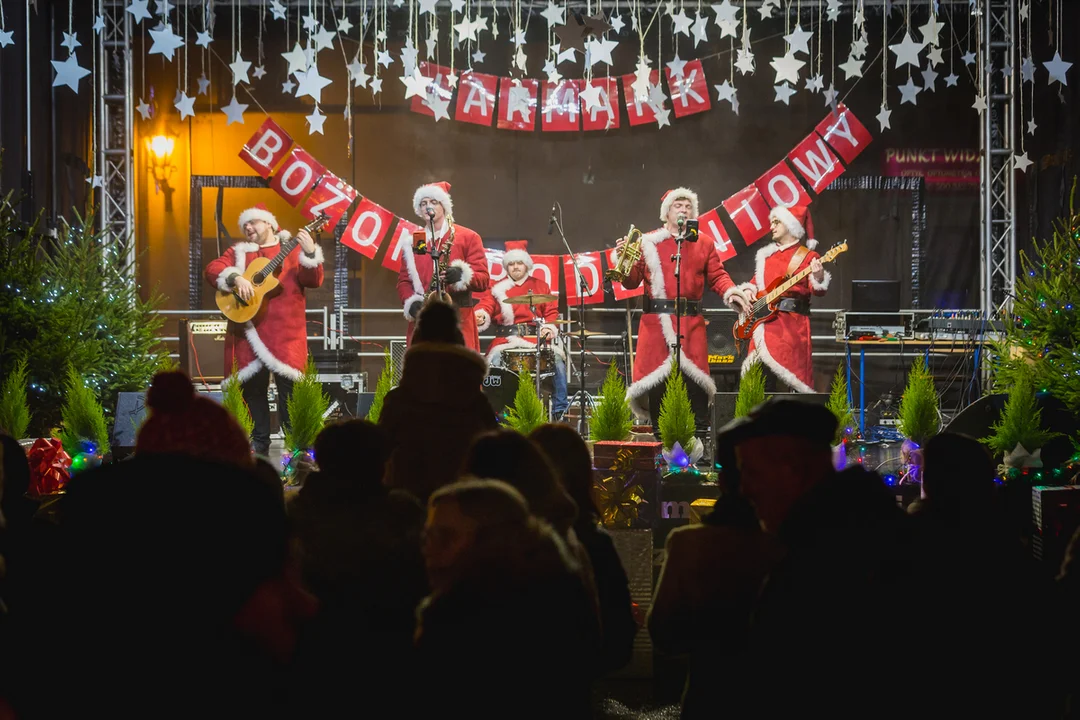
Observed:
{"x":766,"y":307}
{"x":260,"y":272}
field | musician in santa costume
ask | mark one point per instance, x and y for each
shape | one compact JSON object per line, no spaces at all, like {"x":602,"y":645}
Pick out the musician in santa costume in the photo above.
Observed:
{"x":466,"y":269}
{"x":701,"y":269}
{"x":783,"y":344}
{"x":513,"y":323}
{"x":274,"y":342}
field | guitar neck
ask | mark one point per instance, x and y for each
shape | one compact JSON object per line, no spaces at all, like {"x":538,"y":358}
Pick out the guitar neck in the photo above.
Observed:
{"x":286,"y":247}
{"x":791,"y":282}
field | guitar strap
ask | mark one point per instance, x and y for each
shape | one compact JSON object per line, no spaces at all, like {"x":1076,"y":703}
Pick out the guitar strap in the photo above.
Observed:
{"x":796,"y":261}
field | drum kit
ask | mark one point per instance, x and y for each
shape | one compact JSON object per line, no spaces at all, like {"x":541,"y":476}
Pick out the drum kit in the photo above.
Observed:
{"x":501,"y":384}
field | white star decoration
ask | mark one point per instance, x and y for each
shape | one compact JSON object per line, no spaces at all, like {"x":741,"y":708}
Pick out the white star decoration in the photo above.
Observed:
{"x":852,"y":68}
{"x":277,"y":9}
{"x":553,"y":14}
{"x":784,"y":93}
{"x":1057,"y":69}
{"x":1031,"y":126}
{"x":907,"y":51}
{"x":979,"y":104}
{"x":68,"y":73}
{"x":5,"y":38}
{"x":143,"y":109}
{"x":929,"y":78}
{"x":798,"y":39}
{"x":1027,"y":69}
{"x":240,"y":68}
{"x":681,"y":23}
{"x":315,"y":121}
{"x":1021,"y":162}
{"x":787,"y":68}
{"x":165,"y":42}
{"x":950,"y":79}
{"x":138,"y":10}
{"x":288,"y":87}
{"x":234,"y":111}
{"x":357,"y":72}
{"x":830,"y":95}
{"x":935,"y":57}
{"x":700,"y":29}
{"x":931,"y":30}
{"x":675,"y":67}
{"x":71,"y":42}
{"x":591,"y":96}
{"x":99,"y":24}
{"x":186,"y":105}
{"x":815,"y":84}
{"x":968,"y":58}
{"x":600,"y":51}
{"x":203,"y":39}
{"x":415,"y":84}
{"x":311,"y":83}
{"x":204,"y":85}
{"x":296,"y":58}
{"x":909,"y":92}
{"x":883,"y":118}
{"x":344,"y":25}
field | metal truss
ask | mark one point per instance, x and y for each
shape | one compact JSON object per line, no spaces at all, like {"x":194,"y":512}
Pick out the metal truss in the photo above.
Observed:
{"x":997,"y":20}
{"x":113,"y":131}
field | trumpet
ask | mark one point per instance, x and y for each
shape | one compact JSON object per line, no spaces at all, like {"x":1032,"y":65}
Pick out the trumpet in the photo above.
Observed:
{"x":629,"y":256}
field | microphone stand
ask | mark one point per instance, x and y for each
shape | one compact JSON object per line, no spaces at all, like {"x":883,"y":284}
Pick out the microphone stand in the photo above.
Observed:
{"x":583,"y":287}
{"x":435,"y":255}
{"x":677,"y":259}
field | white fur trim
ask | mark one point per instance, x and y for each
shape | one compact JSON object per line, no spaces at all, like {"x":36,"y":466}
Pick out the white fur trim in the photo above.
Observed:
{"x":482,"y":325}
{"x":733,"y":290}
{"x":223,"y":276}
{"x":759,"y":263}
{"x":811,"y":244}
{"x":678,"y":194}
{"x":651,"y":256}
{"x":435,"y":193}
{"x":517,"y":256}
{"x":240,"y":252}
{"x":761,"y":352}
{"x":410,"y":269}
{"x":257,"y":214}
{"x":409,"y":301}
{"x":263,"y":353}
{"x":824,"y":284}
{"x":750,"y":289}
{"x":784,"y":215}
{"x":506,"y":311}
{"x":466,"y":275}
{"x":244,"y":374}
{"x":514,"y":341}
{"x":656,"y":236}
{"x":642,"y":387}
{"x":312,"y":262}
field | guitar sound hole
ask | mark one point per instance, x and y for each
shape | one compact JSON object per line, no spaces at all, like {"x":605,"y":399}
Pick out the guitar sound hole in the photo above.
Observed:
{"x":258,"y":278}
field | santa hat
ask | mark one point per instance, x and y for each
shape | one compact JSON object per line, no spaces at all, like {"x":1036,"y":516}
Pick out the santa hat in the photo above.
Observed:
{"x":797,"y":220}
{"x":680,"y":193}
{"x":259,"y":212}
{"x":185,"y":423}
{"x":438,"y":191}
{"x":517,"y":251}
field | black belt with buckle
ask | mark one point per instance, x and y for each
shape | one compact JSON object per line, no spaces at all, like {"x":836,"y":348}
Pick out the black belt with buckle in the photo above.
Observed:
{"x":667,"y":307}
{"x":509,"y":330}
{"x":794,"y":305}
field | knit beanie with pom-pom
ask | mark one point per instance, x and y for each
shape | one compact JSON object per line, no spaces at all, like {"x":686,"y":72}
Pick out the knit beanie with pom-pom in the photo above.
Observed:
{"x":183,"y":422}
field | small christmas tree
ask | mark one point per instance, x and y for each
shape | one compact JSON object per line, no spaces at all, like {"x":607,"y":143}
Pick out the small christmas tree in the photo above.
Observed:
{"x":1043,"y":330}
{"x":232,"y":398}
{"x":307,"y":410}
{"x":386,"y":382}
{"x":14,"y":412}
{"x":751,"y":390}
{"x":528,"y":412}
{"x":839,"y":406}
{"x":1021,"y":419}
{"x":919,"y":417}
{"x":613,"y":419}
{"x":676,"y":419}
{"x":83,"y":419}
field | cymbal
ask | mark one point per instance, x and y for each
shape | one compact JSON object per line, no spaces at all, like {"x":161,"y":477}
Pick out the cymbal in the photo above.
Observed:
{"x":530,"y":299}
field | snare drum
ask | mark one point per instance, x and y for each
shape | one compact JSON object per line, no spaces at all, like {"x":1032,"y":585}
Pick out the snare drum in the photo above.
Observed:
{"x":500,"y":387}
{"x":521,"y":360}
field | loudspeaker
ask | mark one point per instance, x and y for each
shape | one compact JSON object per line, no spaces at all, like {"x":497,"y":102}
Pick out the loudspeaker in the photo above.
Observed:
{"x":723,"y":410}
{"x":130,"y":411}
{"x":202,"y":349}
{"x":363,"y":404}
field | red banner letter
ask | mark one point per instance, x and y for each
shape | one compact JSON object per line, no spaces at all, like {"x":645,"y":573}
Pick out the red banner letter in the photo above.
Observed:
{"x":813,"y":159}
{"x":844,"y":133}
{"x":638,"y":109}
{"x":405,"y":229}
{"x":560,"y":109}
{"x":621,"y":293}
{"x":496,"y":271}
{"x":780,"y":187}
{"x":710,"y":225}
{"x":476,"y":98}
{"x":606,"y":116}
{"x":366,"y":230}
{"x":520,"y":115}
{"x":546,"y":267}
{"x":590,"y":269}
{"x":750,"y":213}
{"x":440,"y":86}
{"x":689,"y":93}
{"x":296,"y":176}
{"x":332,"y":196}
{"x":266,"y":147}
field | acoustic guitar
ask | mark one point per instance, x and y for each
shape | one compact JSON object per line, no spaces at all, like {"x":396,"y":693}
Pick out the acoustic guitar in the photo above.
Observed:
{"x":260,"y":272}
{"x":766,"y":307}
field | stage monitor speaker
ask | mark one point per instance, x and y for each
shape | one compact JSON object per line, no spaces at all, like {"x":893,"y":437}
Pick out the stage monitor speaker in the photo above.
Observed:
{"x":202,"y":349}
{"x":363,"y":404}
{"x":723,"y":410}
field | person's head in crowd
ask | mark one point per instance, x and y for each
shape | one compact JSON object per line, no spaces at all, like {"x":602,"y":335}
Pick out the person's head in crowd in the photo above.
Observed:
{"x":354,"y":450}
{"x":850,"y":506}
{"x":777,"y":452}
{"x":470,"y":524}
{"x":265,"y":471}
{"x":173,"y":566}
{"x":509,"y":456}
{"x":438,"y":322}
{"x":182,"y":422}
{"x":958,"y":472}
{"x":15,"y":506}
{"x":569,"y":454}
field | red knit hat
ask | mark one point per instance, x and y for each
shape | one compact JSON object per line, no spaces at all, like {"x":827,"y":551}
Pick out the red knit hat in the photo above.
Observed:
{"x":517,"y":251}
{"x":797,"y":220}
{"x":185,"y":423}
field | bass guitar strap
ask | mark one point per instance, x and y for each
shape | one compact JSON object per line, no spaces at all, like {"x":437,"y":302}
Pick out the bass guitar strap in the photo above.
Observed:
{"x":796,"y":261}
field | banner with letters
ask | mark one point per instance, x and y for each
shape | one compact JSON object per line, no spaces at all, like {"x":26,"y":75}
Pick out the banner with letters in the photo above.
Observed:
{"x":309,"y":186}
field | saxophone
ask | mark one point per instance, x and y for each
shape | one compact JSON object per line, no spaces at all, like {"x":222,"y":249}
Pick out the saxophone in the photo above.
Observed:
{"x":631,"y":253}
{"x":440,"y":267}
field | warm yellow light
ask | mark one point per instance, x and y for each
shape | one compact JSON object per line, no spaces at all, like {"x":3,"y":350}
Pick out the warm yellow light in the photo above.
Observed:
{"x":161,"y":146}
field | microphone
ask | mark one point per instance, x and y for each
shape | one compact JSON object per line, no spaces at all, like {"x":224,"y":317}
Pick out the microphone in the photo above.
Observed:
{"x":551,"y":222}
{"x":430,"y":214}
{"x":682,"y":220}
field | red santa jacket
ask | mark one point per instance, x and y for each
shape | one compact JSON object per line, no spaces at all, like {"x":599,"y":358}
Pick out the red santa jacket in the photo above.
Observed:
{"x":701,"y":268}
{"x":467,"y":253}
{"x":502,"y":313}
{"x":784,"y":344}
{"x":276,"y":338}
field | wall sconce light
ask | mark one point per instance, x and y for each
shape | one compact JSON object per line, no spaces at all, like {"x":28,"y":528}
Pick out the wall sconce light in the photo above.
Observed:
{"x":160,"y":150}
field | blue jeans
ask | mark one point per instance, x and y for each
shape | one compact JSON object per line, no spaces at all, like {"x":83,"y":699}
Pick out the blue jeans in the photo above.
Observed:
{"x":559,"y":402}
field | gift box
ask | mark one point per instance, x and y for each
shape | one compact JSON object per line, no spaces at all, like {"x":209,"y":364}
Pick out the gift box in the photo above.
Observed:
{"x":50,"y":467}
{"x":624,"y":483}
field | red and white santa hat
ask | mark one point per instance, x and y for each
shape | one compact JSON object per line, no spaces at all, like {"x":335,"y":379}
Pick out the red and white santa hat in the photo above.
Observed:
{"x":680,"y":193}
{"x":438,"y":191}
{"x":259,"y":212}
{"x":517,"y":251}
{"x":797,"y":220}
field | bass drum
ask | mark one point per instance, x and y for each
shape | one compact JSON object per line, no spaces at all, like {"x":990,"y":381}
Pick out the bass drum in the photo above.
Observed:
{"x":500,"y":387}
